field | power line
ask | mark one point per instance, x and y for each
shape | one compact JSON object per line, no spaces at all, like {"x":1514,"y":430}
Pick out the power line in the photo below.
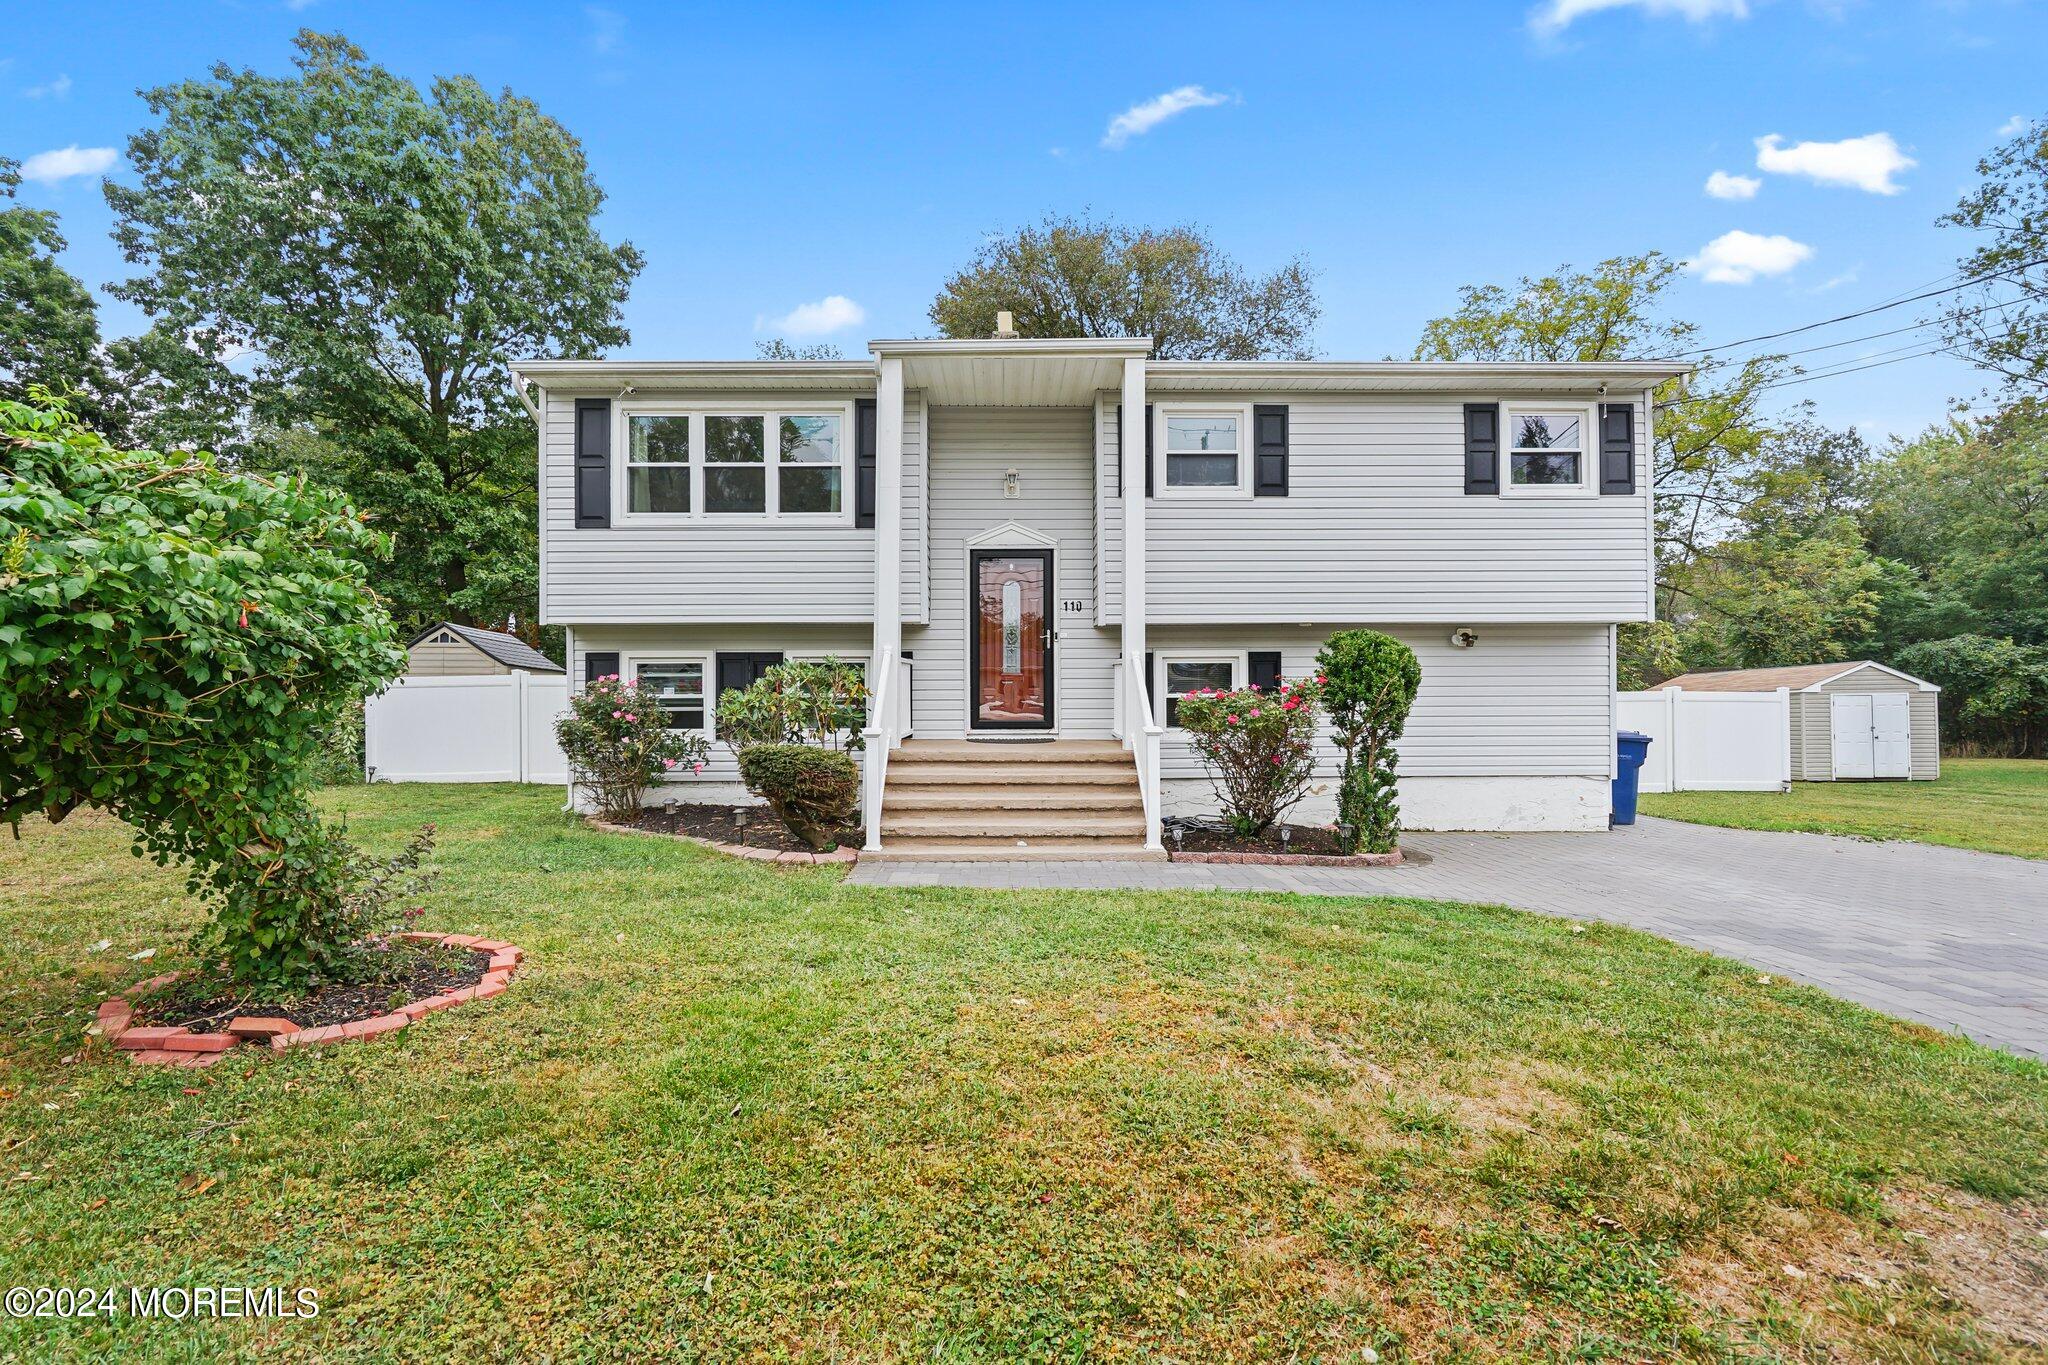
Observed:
{"x":1871,"y":336}
{"x":1864,"y":312}
{"x":1811,"y":377}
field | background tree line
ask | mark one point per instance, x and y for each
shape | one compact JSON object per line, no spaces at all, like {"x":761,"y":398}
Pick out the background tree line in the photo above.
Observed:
{"x":337,"y":267}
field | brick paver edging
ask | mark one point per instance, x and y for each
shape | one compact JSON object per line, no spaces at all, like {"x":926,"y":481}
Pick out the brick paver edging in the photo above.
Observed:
{"x":153,"y":1046}
{"x":1392,"y":859}
{"x":747,"y":851}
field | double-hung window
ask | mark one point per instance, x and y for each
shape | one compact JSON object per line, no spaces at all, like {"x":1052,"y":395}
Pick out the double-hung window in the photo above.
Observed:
{"x":657,"y":463}
{"x":1182,"y":674}
{"x":1204,"y":451}
{"x":680,"y":685}
{"x":1547,"y":449}
{"x":708,"y":464}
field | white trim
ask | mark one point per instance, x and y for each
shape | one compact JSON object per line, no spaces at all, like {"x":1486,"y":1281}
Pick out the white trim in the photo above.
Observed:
{"x":1241,"y":413}
{"x":629,"y":671}
{"x":1240,"y":662}
{"x":1921,"y":683}
{"x":1587,"y":452}
{"x":771,"y":415}
{"x":1011,"y":533}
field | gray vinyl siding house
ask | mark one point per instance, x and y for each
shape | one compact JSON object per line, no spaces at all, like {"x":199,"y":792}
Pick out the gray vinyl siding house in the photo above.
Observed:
{"x":1273,"y":504}
{"x":1851,"y":721}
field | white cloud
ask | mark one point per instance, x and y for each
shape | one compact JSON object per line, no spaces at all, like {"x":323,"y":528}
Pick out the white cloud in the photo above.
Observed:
{"x":1866,"y":163}
{"x":1554,"y":16}
{"x":607,"y":28}
{"x":296,"y":5}
{"x":65,"y":162}
{"x":1739,"y":257}
{"x":2014,"y":126}
{"x":1140,"y":119}
{"x":1722,"y":185}
{"x":833,"y":313}
{"x":56,"y":89}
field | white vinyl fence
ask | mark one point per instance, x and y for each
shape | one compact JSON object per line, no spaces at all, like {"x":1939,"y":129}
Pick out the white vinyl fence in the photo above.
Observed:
{"x":467,"y":729}
{"x":1712,"y":741}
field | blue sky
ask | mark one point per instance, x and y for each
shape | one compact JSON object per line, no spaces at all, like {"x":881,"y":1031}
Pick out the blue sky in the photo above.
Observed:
{"x":770,"y":157}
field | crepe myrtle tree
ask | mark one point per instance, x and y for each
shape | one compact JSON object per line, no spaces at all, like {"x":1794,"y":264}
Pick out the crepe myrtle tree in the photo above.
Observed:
{"x":1369,"y":682}
{"x":175,"y":637}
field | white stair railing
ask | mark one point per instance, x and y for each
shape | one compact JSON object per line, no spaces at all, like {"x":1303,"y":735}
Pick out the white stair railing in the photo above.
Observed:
{"x":1141,"y":732}
{"x":880,"y":735}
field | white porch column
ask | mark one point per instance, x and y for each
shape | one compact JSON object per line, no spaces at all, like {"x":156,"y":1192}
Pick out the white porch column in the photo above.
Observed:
{"x":1132,"y":454}
{"x":889,"y":512}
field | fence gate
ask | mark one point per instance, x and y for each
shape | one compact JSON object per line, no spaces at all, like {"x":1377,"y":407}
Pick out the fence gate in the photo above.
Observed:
{"x":1712,"y":741}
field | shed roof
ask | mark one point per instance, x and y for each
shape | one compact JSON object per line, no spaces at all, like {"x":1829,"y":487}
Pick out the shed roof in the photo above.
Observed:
{"x":508,"y":650}
{"x":1796,"y":677}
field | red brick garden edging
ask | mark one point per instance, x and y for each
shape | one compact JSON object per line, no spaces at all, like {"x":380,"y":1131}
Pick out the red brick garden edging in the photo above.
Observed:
{"x":1392,"y":859}
{"x":747,"y":851}
{"x":150,"y":1046}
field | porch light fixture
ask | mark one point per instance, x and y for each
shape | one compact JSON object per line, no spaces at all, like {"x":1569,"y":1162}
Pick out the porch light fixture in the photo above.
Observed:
{"x":1464,"y":637}
{"x":1010,"y":483}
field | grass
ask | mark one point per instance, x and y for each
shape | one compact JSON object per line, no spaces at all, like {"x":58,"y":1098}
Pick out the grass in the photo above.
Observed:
{"x":743,"y":1111}
{"x":1996,"y":805}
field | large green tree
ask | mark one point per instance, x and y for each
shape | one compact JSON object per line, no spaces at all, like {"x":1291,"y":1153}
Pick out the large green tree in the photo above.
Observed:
{"x":1079,"y":277}
{"x":49,"y":324}
{"x":379,"y":253}
{"x":2008,"y":213}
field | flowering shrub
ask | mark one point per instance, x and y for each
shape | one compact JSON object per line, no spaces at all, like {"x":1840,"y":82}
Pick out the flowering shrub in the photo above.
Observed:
{"x":618,"y":743}
{"x":1369,"y":683}
{"x":823,"y":704}
{"x":1259,"y":747}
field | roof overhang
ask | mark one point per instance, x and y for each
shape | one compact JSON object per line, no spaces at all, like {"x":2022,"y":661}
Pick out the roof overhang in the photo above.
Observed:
{"x":1013,"y":372}
{"x":1411,"y":376}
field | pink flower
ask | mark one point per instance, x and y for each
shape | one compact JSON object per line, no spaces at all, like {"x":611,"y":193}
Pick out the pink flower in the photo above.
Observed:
{"x":1277,"y":758}
{"x":617,"y":714}
{"x":696,"y":767}
{"x":630,"y":717}
{"x":1232,"y":719}
{"x":668,"y":763}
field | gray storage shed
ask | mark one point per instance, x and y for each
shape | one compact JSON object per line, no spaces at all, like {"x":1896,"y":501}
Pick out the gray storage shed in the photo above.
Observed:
{"x":1851,"y":721}
{"x":448,"y":650}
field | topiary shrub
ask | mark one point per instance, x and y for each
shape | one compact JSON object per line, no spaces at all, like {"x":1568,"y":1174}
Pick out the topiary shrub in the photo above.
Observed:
{"x":1369,"y":682}
{"x":1259,"y":747}
{"x":618,"y":744}
{"x":813,"y":791}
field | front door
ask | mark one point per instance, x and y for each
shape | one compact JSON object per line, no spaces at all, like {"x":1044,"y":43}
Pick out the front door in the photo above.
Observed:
{"x":1012,"y":639}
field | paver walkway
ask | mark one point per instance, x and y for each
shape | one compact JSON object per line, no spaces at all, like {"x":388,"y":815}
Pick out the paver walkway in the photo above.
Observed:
{"x":1944,"y":936}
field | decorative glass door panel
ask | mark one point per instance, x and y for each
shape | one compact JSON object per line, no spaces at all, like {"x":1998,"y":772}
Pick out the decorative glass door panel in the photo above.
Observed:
{"x":1012,"y":639}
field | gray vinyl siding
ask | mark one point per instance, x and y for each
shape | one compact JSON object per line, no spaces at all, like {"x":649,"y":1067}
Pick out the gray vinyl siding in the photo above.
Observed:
{"x":1813,"y":736}
{"x":1526,"y":701}
{"x":430,"y":659}
{"x":707,"y":572}
{"x":970,"y":449}
{"x":636,"y":642}
{"x":1377,"y":526}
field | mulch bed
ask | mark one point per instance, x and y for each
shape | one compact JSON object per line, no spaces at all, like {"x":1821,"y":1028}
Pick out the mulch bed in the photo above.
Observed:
{"x":414,"y":972}
{"x":1305,"y":845}
{"x":720,"y":825}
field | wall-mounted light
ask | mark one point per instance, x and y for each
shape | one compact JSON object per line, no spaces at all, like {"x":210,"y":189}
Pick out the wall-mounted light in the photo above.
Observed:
{"x":1010,"y":483}
{"x":1464,"y":637}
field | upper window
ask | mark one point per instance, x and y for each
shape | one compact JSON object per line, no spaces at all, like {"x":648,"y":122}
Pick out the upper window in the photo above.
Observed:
{"x":680,"y":683}
{"x":1204,"y":452}
{"x":1195,"y":674}
{"x":657,"y":463}
{"x":711,"y":464}
{"x":1546,"y":451}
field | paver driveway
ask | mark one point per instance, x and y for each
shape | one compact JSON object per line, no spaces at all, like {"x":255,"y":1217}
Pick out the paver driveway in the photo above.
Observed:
{"x":1944,"y":936}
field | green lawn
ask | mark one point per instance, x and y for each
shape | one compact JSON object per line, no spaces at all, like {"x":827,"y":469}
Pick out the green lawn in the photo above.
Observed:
{"x":1999,"y":805}
{"x":739,"y":1111}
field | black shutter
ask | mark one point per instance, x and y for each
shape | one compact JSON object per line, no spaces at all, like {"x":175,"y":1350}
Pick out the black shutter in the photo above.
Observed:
{"x":863,"y":462}
{"x":1482,"y":447}
{"x":1150,"y":678}
{"x":1151,"y":482}
{"x":597,"y":666}
{"x":1617,"y":448}
{"x":1265,"y":667}
{"x":593,"y":463}
{"x":1269,"y":447}
{"x":737,"y":671}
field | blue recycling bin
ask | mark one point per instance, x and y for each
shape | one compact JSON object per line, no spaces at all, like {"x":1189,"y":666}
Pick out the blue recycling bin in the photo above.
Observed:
{"x":1633,"y":747}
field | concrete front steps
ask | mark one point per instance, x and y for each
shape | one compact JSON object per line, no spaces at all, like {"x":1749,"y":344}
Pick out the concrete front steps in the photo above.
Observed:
{"x":1005,"y":801}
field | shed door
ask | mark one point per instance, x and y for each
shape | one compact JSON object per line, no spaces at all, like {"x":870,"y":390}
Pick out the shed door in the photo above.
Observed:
{"x":1891,"y":724}
{"x":1854,"y":739}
